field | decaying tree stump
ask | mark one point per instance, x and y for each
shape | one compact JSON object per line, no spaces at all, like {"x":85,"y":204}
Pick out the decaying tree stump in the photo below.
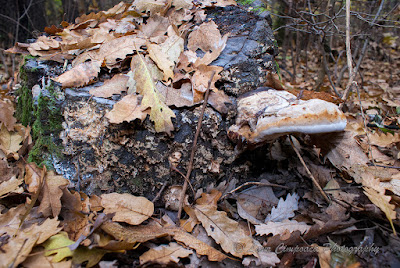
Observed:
{"x":130,"y":157}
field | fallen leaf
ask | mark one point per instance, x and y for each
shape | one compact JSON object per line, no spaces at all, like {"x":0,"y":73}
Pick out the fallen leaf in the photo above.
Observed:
{"x":10,"y":142}
{"x":50,"y":201}
{"x":199,"y":246}
{"x":115,"y":85}
{"x":58,"y":245}
{"x":382,"y":202}
{"x":82,"y":74}
{"x":127,"y":208}
{"x":210,"y":199}
{"x":11,"y":186}
{"x":225,"y":231}
{"x":7,"y":114}
{"x":127,"y":109}
{"x":280,"y":228}
{"x":37,"y":259}
{"x":205,"y":37}
{"x":164,"y":254}
{"x":152,"y":6}
{"x":284,"y":210}
{"x":160,"y":114}
{"x":134,"y":234}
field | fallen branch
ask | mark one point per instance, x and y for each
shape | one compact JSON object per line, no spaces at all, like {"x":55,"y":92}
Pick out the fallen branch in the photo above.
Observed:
{"x":309,"y":172}
{"x":196,"y":136}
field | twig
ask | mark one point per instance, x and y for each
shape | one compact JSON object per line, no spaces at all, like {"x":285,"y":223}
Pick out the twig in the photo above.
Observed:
{"x":308,"y":171}
{"x":352,"y":72}
{"x":190,"y":168}
{"x":183,"y":176}
{"x":253,"y":183}
{"x":159,"y":192}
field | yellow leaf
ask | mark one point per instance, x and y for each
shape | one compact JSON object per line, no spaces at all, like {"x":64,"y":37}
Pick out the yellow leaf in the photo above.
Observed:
{"x":58,"y":244}
{"x":160,"y":113}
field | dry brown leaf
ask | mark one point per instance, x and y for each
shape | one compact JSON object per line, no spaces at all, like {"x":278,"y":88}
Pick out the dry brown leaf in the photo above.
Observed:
{"x":202,"y":75}
{"x":199,"y":246}
{"x":205,"y":37}
{"x":210,"y":199}
{"x":81,"y":75}
{"x":37,"y":259}
{"x":115,"y":85}
{"x":6,"y":171}
{"x":152,"y":6}
{"x":225,"y":231}
{"x":218,"y":3}
{"x":384,"y":139}
{"x":127,"y":109}
{"x":155,"y":26}
{"x":134,"y":234}
{"x":112,"y":52}
{"x":166,"y":54}
{"x":281,"y":228}
{"x":50,"y":201}
{"x":182,"y":97}
{"x":11,"y":186}
{"x":128,"y":208}
{"x":7,"y":114}
{"x":219,"y":100}
{"x":191,"y":222}
{"x":164,"y":254}
{"x":10,"y":142}
{"x":382,"y":201}
{"x":23,"y":239}
{"x":160,"y":114}
{"x":33,"y":177}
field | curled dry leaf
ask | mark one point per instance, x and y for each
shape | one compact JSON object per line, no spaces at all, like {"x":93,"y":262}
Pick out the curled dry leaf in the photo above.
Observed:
{"x":165,"y":253}
{"x":128,"y":208}
{"x":11,"y":186}
{"x":11,"y":142}
{"x":127,"y":109}
{"x":82,"y":74}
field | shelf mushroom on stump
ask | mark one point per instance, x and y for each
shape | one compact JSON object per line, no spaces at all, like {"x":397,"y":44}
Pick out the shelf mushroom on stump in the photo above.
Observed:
{"x":265,"y":114}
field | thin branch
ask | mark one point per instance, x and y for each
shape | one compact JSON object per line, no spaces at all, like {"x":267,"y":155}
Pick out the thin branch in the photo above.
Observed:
{"x":309,"y":172}
{"x":196,"y":136}
{"x":253,"y":183}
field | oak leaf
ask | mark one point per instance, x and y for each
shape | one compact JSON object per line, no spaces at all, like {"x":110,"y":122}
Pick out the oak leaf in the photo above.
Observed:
{"x":50,"y":201}
{"x":165,"y":253}
{"x":11,"y":186}
{"x":81,"y":75}
{"x":128,"y":208}
{"x":160,"y":113}
{"x":10,"y":142}
{"x":285,"y":209}
{"x":382,"y":202}
{"x":225,"y":231}
{"x":7,"y":114}
{"x":115,"y":85}
{"x":281,"y":228}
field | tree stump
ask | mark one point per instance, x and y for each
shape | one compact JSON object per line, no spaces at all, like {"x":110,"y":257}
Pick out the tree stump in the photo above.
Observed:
{"x":130,"y":157}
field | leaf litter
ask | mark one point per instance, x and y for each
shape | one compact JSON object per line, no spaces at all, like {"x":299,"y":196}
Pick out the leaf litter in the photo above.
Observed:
{"x":150,"y":35}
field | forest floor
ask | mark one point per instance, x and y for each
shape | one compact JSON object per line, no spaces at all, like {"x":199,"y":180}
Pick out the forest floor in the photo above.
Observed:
{"x":280,"y":222}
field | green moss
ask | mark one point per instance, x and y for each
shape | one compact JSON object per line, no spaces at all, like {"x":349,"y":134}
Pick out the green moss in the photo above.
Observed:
{"x":24,"y":102}
{"x":44,"y":116}
{"x":47,"y":123}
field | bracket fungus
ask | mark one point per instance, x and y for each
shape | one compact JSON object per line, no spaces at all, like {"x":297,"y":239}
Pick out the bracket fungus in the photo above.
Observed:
{"x":265,"y":114}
